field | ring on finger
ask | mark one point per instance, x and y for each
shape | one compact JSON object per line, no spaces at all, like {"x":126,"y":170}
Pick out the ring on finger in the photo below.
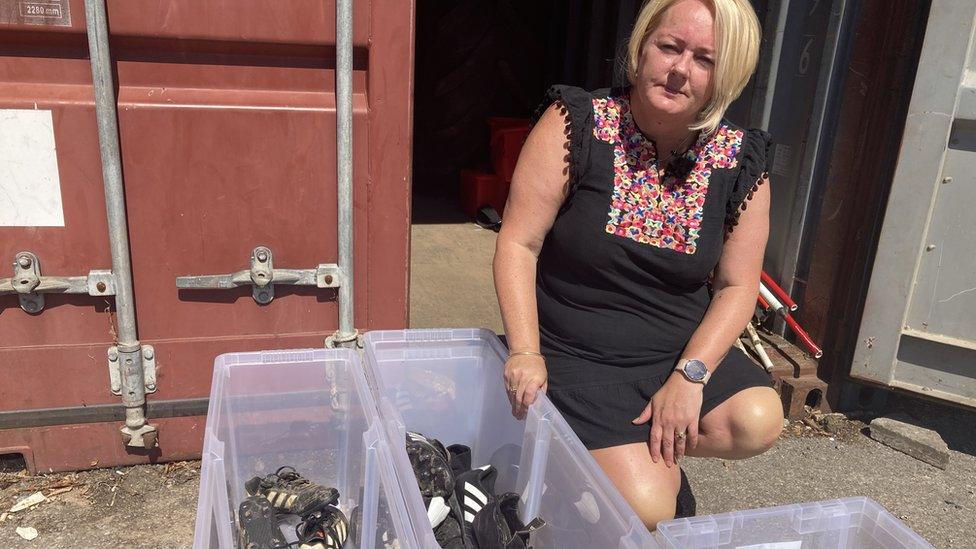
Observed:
{"x":681,"y":435}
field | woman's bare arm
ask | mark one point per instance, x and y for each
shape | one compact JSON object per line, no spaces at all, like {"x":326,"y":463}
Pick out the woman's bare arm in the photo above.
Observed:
{"x":676,"y":406}
{"x":539,"y":187}
{"x":736,"y":284}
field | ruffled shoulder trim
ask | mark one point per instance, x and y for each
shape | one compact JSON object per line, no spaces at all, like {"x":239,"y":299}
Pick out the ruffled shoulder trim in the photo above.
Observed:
{"x":755,"y":160}
{"x":576,"y":107}
{"x":577,"y":101}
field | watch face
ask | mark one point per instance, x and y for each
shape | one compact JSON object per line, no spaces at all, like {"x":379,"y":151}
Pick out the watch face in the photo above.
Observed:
{"x":695,"y":369}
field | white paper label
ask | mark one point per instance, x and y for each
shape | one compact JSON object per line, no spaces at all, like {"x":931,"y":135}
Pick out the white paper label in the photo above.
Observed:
{"x":36,"y":12}
{"x":777,"y":545}
{"x":30,"y":188}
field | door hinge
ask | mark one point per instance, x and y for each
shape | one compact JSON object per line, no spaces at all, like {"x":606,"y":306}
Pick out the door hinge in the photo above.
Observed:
{"x":148,"y":368}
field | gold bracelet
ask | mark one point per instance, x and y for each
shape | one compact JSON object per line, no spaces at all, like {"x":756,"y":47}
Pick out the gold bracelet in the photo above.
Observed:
{"x":531,"y":353}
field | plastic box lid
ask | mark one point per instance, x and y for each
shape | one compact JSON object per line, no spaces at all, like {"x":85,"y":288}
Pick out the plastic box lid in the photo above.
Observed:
{"x":448,"y":384}
{"x":309,"y":409}
{"x":852,"y":523}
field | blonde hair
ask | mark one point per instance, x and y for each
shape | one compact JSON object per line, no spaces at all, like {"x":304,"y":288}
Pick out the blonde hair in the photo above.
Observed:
{"x":737,"y":36}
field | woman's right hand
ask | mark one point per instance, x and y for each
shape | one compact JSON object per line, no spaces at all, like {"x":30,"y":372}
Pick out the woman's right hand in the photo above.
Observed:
{"x":525,"y":377}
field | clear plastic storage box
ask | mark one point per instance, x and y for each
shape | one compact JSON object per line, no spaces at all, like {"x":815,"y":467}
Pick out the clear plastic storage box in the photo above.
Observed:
{"x":448,"y":384}
{"x":852,"y":523}
{"x":309,"y":409}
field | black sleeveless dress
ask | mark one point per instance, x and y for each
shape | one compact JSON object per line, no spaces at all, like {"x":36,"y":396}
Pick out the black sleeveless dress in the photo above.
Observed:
{"x":622,"y":280}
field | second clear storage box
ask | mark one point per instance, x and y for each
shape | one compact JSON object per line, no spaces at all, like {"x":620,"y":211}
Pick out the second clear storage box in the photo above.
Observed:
{"x":447,"y":384}
{"x":852,"y":523}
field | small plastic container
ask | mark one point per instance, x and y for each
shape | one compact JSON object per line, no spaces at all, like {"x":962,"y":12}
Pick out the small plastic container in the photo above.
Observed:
{"x":851,"y":523}
{"x":308,"y":409}
{"x":507,"y":137}
{"x":480,"y":189}
{"x":448,"y":384}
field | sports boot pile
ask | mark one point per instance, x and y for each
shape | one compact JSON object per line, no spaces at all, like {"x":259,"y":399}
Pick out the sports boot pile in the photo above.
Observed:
{"x":287,"y":494}
{"x":463,"y":509}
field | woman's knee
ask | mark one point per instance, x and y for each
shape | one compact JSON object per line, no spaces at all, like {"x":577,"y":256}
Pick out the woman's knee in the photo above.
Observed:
{"x":650,"y":488}
{"x":758,"y":423}
{"x":651,"y":511}
{"x":652,"y":503}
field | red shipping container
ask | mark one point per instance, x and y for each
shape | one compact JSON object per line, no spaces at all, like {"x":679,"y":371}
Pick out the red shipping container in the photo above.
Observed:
{"x":226,"y":110}
{"x":507,"y":137}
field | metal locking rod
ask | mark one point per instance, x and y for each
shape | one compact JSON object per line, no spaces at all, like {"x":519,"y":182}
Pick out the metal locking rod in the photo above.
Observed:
{"x":263,"y":277}
{"x":137,"y":432}
{"x":346,"y":335}
{"x":30,"y":286}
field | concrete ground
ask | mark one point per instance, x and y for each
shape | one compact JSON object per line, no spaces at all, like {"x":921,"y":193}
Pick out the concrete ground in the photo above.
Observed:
{"x":153,"y":507}
{"x":450,"y":278}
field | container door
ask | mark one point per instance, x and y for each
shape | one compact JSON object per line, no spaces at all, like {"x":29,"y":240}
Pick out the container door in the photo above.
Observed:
{"x":227,"y":131}
{"x":918,"y":332}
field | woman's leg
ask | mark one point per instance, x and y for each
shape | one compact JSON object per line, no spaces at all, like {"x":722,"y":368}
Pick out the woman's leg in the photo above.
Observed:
{"x":745,"y":425}
{"x":650,"y":488}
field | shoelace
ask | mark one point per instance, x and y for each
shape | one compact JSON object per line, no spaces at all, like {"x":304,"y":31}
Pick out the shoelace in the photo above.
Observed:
{"x":285,"y":476}
{"x":314,"y":527}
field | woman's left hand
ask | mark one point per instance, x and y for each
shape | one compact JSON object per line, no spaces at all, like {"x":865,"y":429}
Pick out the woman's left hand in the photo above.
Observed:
{"x":674,"y":409}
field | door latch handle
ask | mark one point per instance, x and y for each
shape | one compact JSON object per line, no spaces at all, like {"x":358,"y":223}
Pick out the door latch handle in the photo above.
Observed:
{"x":30,"y":286}
{"x":263,"y":277}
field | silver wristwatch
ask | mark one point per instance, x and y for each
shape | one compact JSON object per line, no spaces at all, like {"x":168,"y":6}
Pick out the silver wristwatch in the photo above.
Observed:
{"x":694,"y":370}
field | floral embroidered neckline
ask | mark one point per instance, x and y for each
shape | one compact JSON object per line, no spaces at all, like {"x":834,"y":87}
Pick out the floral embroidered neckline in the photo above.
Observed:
{"x":641,"y":140}
{"x":665,"y":214}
